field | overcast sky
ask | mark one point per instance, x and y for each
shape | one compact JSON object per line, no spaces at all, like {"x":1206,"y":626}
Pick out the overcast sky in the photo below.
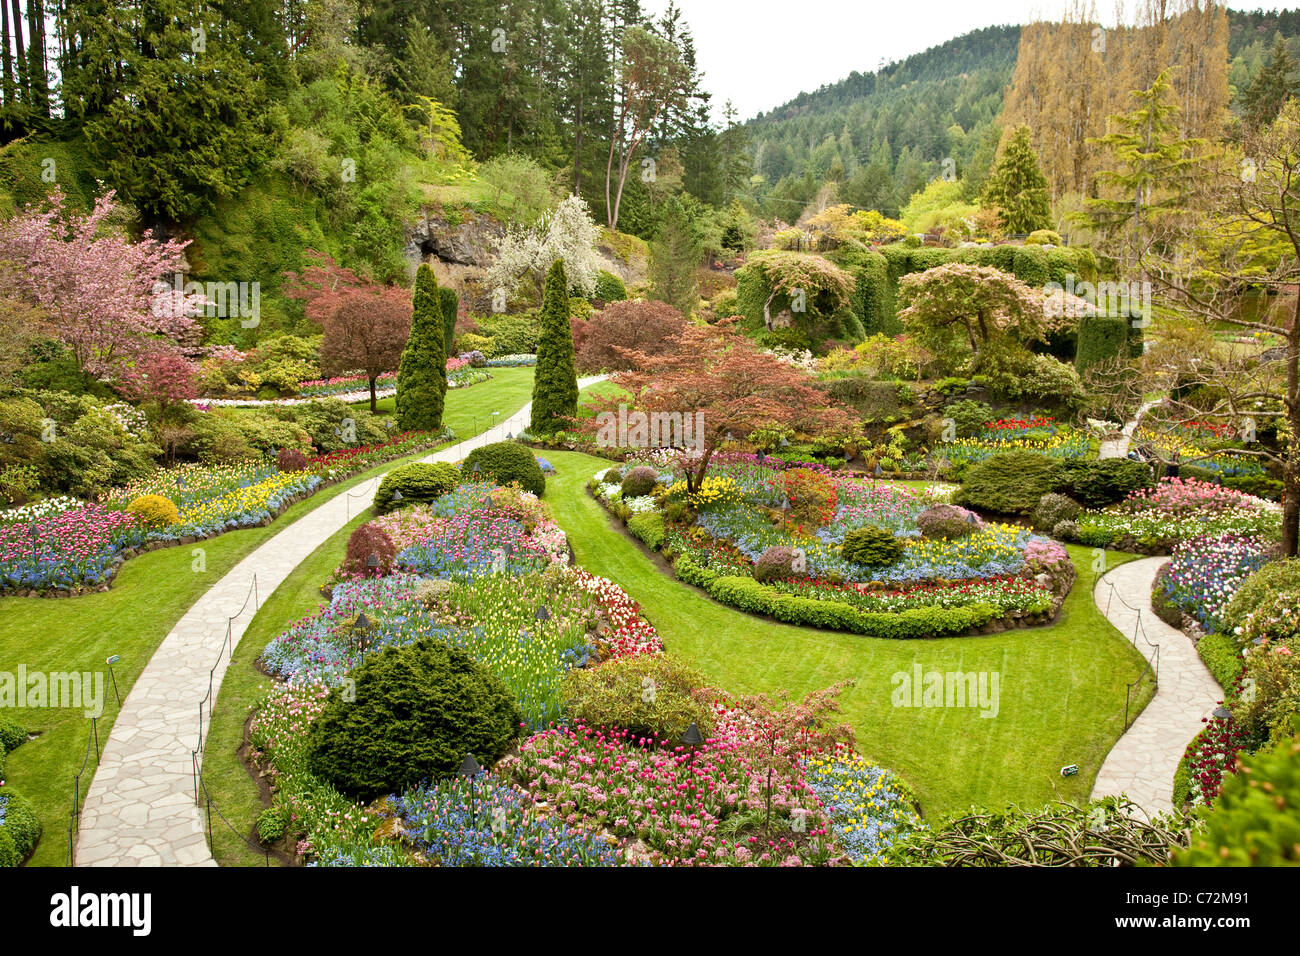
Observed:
{"x":762,"y":53}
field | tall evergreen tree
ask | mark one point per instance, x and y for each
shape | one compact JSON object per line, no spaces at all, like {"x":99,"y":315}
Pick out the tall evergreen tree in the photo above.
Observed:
{"x":422,"y":376}
{"x":555,"y":383}
{"x":1271,"y":89}
{"x":1018,"y":187}
{"x":674,"y":258}
{"x":450,"y":303}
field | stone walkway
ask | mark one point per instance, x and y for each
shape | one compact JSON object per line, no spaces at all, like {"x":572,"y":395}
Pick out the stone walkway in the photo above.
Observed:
{"x":140,"y":809}
{"x":1118,"y":447}
{"x":1143,"y":761}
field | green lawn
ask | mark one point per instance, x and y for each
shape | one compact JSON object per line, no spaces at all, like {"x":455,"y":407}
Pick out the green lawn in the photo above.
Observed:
{"x":1062,"y":687}
{"x":150,"y":594}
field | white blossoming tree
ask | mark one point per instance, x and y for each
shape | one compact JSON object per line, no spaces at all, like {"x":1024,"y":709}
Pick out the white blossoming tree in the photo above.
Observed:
{"x":527,"y":253}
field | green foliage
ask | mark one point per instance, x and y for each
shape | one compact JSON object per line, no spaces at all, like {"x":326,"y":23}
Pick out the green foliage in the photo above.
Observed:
{"x":1018,"y":188}
{"x":1262,"y":587}
{"x":946,"y":521}
{"x":648,"y":695}
{"x":12,"y":734}
{"x":419,"y":482}
{"x":508,"y":334}
{"x":450,"y":303}
{"x":1101,"y":339}
{"x":1043,"y":237}
{"x":648,"y":528}
{"x":422,"y":378}
{"x":21,"y":829}
{"x":555,"y":381}
{"x":609,"y":288}
{"x":1222,"y":659}
{"x":874,"y":401}
{"x":1010,"y":483}
{"x":272,"y":824}
{"x":1255,"y":821}
{"x":504,"y":462}
{"x":419,"y":709}
{"x":968,"y":416}
{"x":1097,"y":483}
{"x":1054,"y":508}
{"x":872,"y":547}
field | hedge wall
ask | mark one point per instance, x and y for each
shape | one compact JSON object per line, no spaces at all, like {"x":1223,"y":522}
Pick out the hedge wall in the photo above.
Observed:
{"x":1101,"y":339}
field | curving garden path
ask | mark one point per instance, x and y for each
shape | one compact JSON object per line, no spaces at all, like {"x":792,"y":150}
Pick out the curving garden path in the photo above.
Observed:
{"x":140,"y":809}
{"x":1143,"y":761}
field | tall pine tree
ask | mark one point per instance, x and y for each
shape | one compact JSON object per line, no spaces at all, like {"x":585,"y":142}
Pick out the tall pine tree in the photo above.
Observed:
{"x":555,"y":384}
{"x":1018,"y":187}
{"x":1271,"y":89}
{"x":422,"y":376}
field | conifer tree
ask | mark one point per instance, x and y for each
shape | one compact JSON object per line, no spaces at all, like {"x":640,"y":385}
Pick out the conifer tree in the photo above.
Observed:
{"x":1271,"y":89}
{"x":1018,"y":187}
{"x":422,"y":377}
{"x":555,"y":385}
{"x":450,"y":303}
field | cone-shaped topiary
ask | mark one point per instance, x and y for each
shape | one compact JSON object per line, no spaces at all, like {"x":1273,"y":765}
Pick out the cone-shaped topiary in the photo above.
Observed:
{"x":555,"y":382}
{"x":450,"y":303}
{"x":422,"y":377}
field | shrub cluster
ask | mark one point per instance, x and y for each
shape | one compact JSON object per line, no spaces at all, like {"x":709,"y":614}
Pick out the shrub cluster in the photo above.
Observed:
{"x":872,"y":547}
{"x":504,"y":462}
{"x":154,"y":511}
{"x":947,"y":522}
{"x":639,"y":481}
{"x":652,"y":696}
{"x":418,"y":482}
{"x":649,"y":528}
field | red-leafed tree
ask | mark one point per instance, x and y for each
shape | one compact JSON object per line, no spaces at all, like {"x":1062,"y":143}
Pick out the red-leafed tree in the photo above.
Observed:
{"x":737,"y":388}
{"x":366,"y":325}
{"x":164,"y":376}
{"x":621,"y":329}
{"x":105,"y":296}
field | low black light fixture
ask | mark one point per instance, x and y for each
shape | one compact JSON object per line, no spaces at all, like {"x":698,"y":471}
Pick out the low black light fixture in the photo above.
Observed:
{"x":692,"y":737}
{"x":878,"y":471}
{"x":543,"y":614}
{"x":7,"y":438}
{"x":398,"y":496}
{"x":1222,"y":713}
{"x":274,"y":451}
{"x":469,"y":767}
{"x":476,"y":469}
{"x":972,"y":518}
{"x":760,"y":457}
{"x":388,"y":424}
{"x":110,"y":661}
{"x":785,"y":443}
{"x":510,"y":436}
{"x":372,"y":562}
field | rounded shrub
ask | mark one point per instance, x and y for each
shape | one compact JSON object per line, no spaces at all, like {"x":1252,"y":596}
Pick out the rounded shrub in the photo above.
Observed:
{"x":811,"y":494}
{"x":12,"y":735}
{"x":154,"y":511}
{"x":651,"y":696}
{"x":774,"y":564}
{"x":1065,"y":531}
{"x":611,"y":477}
{"x":649,"y":528}
{"x":431,"y":591}
{"x":419,"y":709}
{"x":609,"y":287}
{"x":504,"y":462}
{"x":872,"y":547}
{"x":370,"y":543}
{"x":1261,"y":588}
{"x":1054,"y":508}
{"x":947,"y":521}
{"x":20,"y":831}
{"x":418,"y":482}
{"x":1101,"y":482}
{"x":290,"y":459}
{"x":639,"y":481}
{"x":1010,"y":483}
{"x":272,"y":824}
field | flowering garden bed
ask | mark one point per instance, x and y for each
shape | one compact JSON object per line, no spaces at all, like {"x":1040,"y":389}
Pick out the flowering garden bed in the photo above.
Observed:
{"x":776,"y":541}
{"x":568,"y":792}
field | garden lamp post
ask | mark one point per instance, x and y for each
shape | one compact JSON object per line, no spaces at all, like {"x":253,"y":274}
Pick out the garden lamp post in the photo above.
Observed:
{"x":543,"y":614}
{"x":398,"y":496}
{"x":113,"y":677}
{"x":469,"y":768}
{"x":878,"y":471}
{"x":692,"y":739}
{"x":1222,"y":713}
{"x":972,"y":518}
{"x":372,"y":562}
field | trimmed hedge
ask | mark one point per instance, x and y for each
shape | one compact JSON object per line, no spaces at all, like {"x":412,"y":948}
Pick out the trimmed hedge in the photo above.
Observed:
{"x":648,"y":528}
{"x":12,"y":735}
{"x":1221,"y":658}
{"x":609,"y":287}
{"x":21,"y":829}
{"x":1260,"y":588}
{"x":504,"y":462}
{"x":419,"y":482}
{"x":1010,"y":483}
{"x":1096,"y":483}
{"x":1101,"y":339}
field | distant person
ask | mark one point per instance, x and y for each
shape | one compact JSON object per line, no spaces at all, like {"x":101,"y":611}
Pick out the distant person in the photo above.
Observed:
{"x":1171,"y":469}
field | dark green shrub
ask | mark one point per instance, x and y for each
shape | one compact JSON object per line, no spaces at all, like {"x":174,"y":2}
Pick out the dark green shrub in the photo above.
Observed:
{"x":968,"y":417}
{"x":504,"y":462}
{"x":649,"y":695}
{"x":21,"y":829}
{"x":1052,"y":509}
{"x":450,"y":303}
{"x":1010,"y":483}
{"x":419,"y":710}
{"x":1101,"y":482}
{"x":12,"y":735}
{"x":649,"y":528}
{"x":1255,"y":821}
{"x":555,"y":381}
{"x":1262,"y":587}
{"x":873,"y":400}
{"x":422,"y":376}
{"x":1222,"y":659}
{"x":946,"y":521}
{"x":609,"y":287}
{"x":872,"y":547}
{"x":1030,"y":266}
{"x":639,"y":481}
{"x":1101,"y":339}
{"x":419,"y":482}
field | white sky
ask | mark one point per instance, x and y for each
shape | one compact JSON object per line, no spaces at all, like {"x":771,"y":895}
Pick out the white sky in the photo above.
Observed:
{"x":762,"y":53}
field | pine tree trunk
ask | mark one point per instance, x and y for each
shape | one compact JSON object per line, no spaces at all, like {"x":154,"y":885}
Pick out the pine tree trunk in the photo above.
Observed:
{"x":374,"y":405}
